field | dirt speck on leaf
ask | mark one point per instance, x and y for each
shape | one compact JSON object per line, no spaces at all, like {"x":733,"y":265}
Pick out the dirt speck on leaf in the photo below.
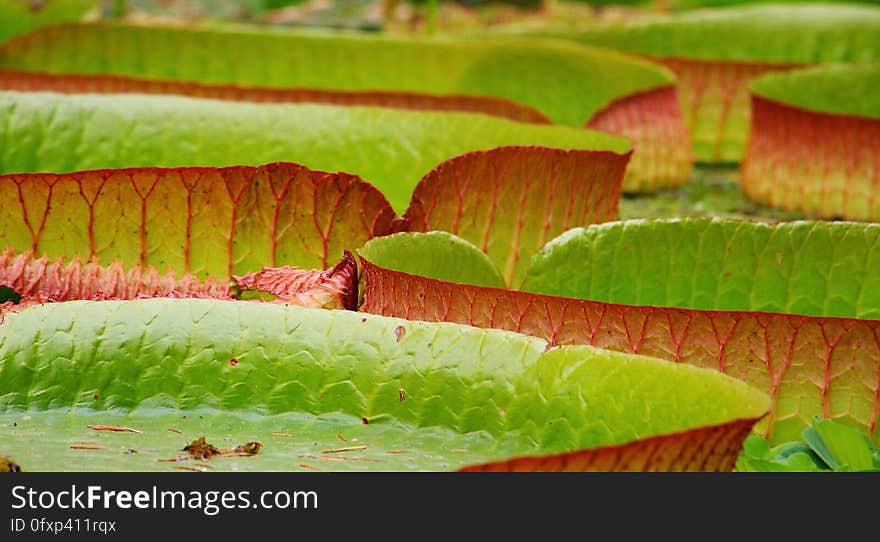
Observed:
{"x":399,"y":333}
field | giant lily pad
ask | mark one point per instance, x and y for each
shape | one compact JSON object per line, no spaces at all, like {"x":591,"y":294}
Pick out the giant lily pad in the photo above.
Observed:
{"x":424,"y":386}
{"x":829,"y":169}
{"x":809,"y":365}
{"x":238,"y":219}
{"x":715,"y":53}
{"x":810,"y":268}
{"x":527,"y":80}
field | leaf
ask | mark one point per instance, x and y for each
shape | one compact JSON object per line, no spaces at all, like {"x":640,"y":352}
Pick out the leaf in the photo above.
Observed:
{"x":533,"y":80}
{"x":509,"y":203}
{"x":108,"y":84}
{"x":809,"y":268}
{"x":840,"y":446}
{"x":677,"y":452}
{"x":200,"y":221}
{"x":715,"y":53}
{"x":829,"y":171}
{"x":42,"y":279}
{"x":781,"y":33}
{"x":334,"y":288}
{"x":758,"y":457}
{"x":653,"y":121}
{"x":296,"y":216}
{"x":437,"y":254}
{"x":557,"y":79}
{"x":18,"y":17}
{"x":391,"y":149}
{"x":842,"y":89}
{"x":315,"y":366}
{"x":808,"y":365}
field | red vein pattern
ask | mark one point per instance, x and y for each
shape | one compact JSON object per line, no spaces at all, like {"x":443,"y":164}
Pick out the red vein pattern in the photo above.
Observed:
{"x":42,"y":279}
{"x":499,"y":107}
{"x":202,"y":221}
{"x":820,"y":164}
{"x":495,"y":199}
{"x":714,"y":99}
{"x":706,"y":449}
{"x":809,"y":366}
{"x":652,"y":120}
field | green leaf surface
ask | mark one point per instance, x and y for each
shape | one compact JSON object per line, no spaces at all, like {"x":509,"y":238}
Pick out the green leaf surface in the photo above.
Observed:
{"x":434,"y":254}
{"x":845,"y":89}
{"x":809,"y":365}
{"x":565,"y":82}
{"x":17,"y":17}
{"x":493,"y":388}
{"x":811,"y":268}
{"x":392,"y":149}
{"x":840,"y":446}
{"x":780,"y":33}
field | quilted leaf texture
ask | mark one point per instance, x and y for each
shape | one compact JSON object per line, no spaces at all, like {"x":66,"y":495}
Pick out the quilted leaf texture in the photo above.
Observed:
{"x":814,"y":142}
{"x":390,"y":148}
{"x":531,"y":80}
{"x":809,"y":268}
{"x":809,"y":365}
{"x":716,"y":53}
{"x":199,"y":221}
{"x":148,"y":354}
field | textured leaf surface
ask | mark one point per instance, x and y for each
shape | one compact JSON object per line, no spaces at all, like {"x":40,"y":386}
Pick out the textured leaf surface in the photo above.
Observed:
{"x":163,"y":353}
{"x":819,"y":164}
{"x":391,"y":149}
{"x":810,"y":268}
{"x":105,"y":84}
{"x":564,"y":82}
{"x":17,"y":17}
{"x":809,"y":366}
{"x":202,"y":221}
{"x":843,"y":89}
{"x":434,"y":254}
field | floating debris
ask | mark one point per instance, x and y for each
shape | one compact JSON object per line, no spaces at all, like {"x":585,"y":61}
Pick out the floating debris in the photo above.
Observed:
{"x":345,"y":449}
{"x":310,"y":467}
{"x":282,"y":435}
{"x":8,"y":465}
{"x":116,"y":428}
{"x":251,"y":448}
{"x":86,"y":447}
{"x":178,"y":431}
{"x":200,"y":449}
